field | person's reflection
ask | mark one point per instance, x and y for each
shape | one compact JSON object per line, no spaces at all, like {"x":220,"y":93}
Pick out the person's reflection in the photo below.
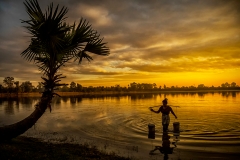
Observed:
{"x":166,"y":149}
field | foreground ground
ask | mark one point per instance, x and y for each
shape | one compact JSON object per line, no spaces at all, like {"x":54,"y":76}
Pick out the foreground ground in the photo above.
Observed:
{"x":30,"y":148}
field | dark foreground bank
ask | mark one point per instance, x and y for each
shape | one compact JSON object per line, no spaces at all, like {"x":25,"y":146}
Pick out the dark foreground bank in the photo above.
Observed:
{"x":31,"y":148}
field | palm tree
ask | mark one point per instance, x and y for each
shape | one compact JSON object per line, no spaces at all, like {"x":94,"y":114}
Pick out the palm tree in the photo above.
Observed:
{"x":53,"y":43}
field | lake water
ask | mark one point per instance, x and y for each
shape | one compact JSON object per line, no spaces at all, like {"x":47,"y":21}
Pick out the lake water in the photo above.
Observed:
{"x":209,"y":123}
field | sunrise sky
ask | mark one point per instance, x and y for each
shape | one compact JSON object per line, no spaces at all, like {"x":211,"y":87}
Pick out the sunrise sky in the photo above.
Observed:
{"x":172,"y":42}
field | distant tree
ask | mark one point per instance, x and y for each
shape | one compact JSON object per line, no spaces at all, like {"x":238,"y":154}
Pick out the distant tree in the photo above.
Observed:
{"x":223,"y":85}
{"x":72,"y":86}
{"x":148,"y":86}
{"x":65,"y":88}
{"x":34,"y":89}
{"x":184,"y":87}
{"x":133,"y":86}
{"x":154,"y":85}
{"x":9,"y":81}
{"x":233,"y":84}
{"x":227,"y":84}
{"x":160,"y":87}
{"x":53,"y":43}
{"x":79,"y":87}
{"x":201,"y":86}
{"x":26,"y":86}
{"x":40,"y":87}
{"x":1,"y":88}
{"x":17,"y":88}
{"x":117,"y":87}
{"x":91,"y":89}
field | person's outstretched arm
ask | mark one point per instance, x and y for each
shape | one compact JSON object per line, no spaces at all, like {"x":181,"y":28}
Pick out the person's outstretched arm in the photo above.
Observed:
{"x":159,"y":110}
{"x":173,"y":113}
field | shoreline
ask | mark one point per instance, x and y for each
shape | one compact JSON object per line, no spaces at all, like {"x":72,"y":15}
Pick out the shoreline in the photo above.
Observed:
{"x":32,"y":148}
{"x":29,"y":148}
{"x":63,"y":94}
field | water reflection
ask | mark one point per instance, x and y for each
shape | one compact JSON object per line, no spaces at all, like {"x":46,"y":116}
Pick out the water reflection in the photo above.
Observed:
{"x":201,"y":94}
{"x":57,"y":100}
{"x":27,"y":100}
{"x":234,"y":94}
{"x":138,"y":96}
{"x":227,"y":94}
{"x":143,"y":96}
{"x":9,"y":108}
{"x":166,"y":148}
{"x":65,"y":99}
{"x":73,"y":100}
{"x":10,"y":105}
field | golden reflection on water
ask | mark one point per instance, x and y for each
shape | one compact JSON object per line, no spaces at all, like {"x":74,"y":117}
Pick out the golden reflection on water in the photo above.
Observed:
{"x":206,"y":119}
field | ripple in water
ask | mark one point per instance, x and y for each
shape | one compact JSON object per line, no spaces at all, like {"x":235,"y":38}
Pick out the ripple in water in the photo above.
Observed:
{"x":121,"y":125}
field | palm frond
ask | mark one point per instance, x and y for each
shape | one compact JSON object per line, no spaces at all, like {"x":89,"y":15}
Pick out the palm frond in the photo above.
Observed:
{"x":54,"y":42}
{"x":96,"y":46}
{"x":81,"y":55}
{"x":85,"y":39}
{"x":34,"y":11}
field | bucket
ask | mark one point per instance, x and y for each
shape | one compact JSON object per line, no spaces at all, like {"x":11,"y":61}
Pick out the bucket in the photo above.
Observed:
{"x":151,"y":131}
{"x":176,"y":126}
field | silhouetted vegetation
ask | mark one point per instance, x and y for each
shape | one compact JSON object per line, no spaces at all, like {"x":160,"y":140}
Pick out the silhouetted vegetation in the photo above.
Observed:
{"x":27,"y":87}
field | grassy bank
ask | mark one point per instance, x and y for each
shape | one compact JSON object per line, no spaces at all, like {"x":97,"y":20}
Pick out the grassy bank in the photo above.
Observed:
{"x":31,"y":148}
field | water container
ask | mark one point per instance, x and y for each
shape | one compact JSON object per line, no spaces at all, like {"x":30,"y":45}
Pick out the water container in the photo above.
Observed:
{"x":151,"y":131}
{"x":176,"y":127}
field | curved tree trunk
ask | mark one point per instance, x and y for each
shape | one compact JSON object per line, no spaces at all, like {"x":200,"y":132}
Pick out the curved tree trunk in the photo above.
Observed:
{"x":11,"y":131}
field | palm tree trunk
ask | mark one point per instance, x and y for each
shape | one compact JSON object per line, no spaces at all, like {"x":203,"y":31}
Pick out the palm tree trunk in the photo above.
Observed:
{"x":11,"y":131}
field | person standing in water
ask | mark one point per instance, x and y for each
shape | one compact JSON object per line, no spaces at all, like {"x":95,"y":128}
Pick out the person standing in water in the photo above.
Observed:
{"x":165,"y":109}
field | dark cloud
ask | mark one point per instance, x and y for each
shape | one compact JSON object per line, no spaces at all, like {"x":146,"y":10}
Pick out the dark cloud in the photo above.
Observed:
{"x":141,"y":36}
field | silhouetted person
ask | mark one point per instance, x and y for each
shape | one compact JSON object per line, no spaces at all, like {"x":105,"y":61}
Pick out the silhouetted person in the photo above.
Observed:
{"x":165,"y":109}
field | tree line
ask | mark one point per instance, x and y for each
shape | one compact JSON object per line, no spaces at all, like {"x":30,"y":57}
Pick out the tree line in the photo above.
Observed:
{"x":11,"y":86}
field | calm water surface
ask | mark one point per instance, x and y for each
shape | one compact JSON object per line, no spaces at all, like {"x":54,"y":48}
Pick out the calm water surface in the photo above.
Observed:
{"x":209,"y":123}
